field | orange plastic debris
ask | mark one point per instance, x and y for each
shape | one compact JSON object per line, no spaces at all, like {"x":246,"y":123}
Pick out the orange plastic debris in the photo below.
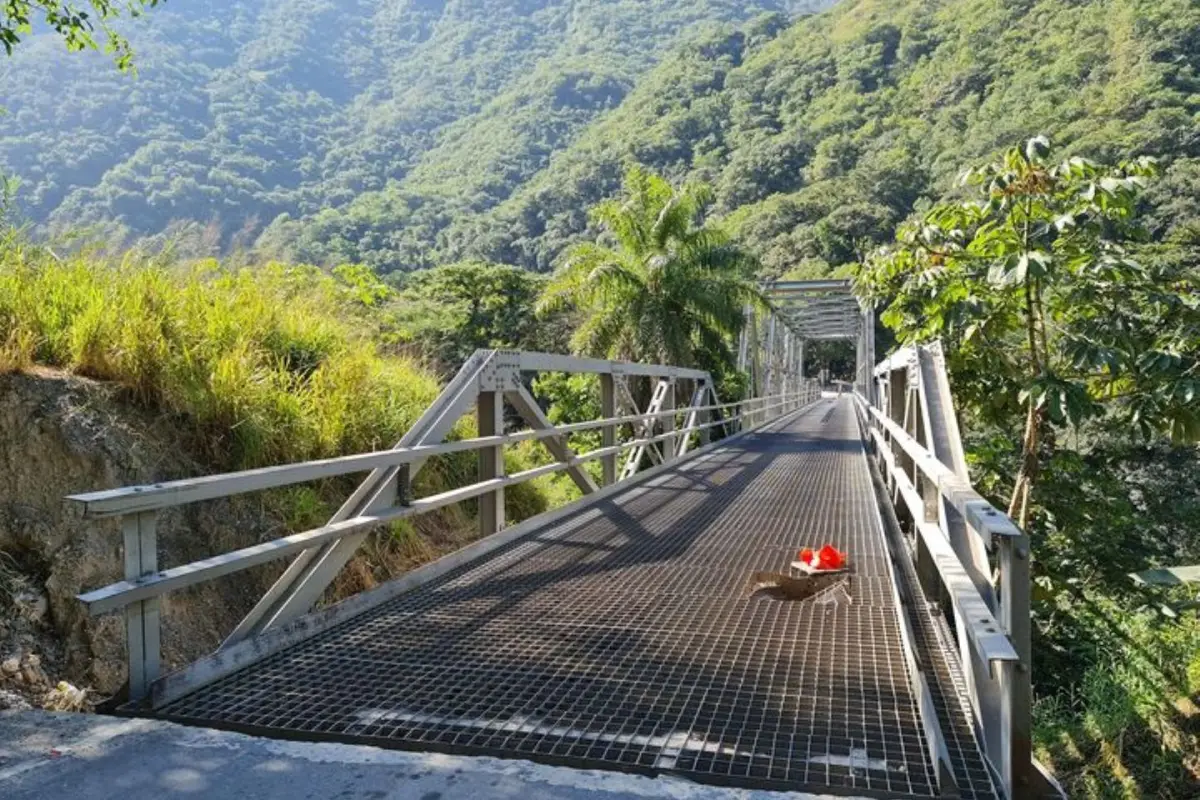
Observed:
{"x":827,"y":558}
{"x":830,"y":558}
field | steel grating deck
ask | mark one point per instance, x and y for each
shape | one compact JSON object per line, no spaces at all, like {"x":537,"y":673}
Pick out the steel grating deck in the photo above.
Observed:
{"x":624,"y":637}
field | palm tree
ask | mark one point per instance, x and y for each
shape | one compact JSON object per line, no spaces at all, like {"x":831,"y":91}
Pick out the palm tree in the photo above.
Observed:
{"x":667,"y":290}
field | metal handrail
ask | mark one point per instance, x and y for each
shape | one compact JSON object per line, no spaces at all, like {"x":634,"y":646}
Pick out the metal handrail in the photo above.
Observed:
{"x":954,"y":529}
{"x":489,"y":381}
{"x":984,"y":518}
{"x":120,"y":594}
{"x":984,"y":630}
{"x":166,"y":494}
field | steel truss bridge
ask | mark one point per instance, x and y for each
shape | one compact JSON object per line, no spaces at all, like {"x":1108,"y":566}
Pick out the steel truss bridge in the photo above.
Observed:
{"x":619,"y":631}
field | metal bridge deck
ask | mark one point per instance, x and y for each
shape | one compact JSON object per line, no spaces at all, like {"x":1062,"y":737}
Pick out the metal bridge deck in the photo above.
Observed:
{"x":624,"y":637}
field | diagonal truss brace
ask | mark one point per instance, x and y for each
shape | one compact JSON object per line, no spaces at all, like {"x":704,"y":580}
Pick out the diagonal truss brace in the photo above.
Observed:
{"x":531,"y":412}
{"x":645,"y":428}
{"x":692,"y":418}
{"x":311,"y":572}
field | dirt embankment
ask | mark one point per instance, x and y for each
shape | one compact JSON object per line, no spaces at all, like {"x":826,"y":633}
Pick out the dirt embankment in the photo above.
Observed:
{"x":61,"y":435}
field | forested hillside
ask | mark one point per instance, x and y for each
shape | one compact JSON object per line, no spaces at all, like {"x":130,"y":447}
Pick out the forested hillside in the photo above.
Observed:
{"x":409,"y":135}
{"x":819,"y":136}
{"x":242,"y":110}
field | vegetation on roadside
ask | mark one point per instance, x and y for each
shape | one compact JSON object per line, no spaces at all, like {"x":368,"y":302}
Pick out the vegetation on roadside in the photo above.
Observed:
{"x":660,"y":287}
{"x":1074,"y":350}
{"x":1034,"y":286}
{"x":270,"y":365}
{"x":260,"y":366}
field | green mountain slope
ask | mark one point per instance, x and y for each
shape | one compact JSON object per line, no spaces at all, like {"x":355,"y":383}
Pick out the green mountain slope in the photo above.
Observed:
{"x":822,"y":134}
{"x":243,"y":110}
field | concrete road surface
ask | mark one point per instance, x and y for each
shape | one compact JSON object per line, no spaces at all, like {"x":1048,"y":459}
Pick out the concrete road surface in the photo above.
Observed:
{"x":44,"y":756}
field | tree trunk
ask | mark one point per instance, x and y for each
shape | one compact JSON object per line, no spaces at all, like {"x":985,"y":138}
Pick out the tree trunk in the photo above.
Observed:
{"x":1018,"y":506}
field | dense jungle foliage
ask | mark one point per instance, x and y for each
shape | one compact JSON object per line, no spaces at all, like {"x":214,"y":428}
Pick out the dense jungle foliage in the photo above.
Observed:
{"x":818,"y":137}
{"x":242,"y":110}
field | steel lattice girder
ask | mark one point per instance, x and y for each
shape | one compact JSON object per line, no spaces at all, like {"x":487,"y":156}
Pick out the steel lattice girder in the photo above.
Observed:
{"x":817,"y":310}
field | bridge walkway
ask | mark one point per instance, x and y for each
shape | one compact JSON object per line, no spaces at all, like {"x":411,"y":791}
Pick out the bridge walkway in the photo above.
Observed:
{"x":624,"y":637}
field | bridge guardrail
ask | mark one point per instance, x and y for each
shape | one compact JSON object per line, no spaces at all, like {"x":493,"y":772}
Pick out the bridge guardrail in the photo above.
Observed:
{"x":955,"y":534}
{"x":488,"y":381}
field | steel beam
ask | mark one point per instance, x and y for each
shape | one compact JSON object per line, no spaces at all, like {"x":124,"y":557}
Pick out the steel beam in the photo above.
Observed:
{"x":307,"y":577}
{"x":142,"y":628}
{"x":489,"y":415}
{"x":550,"y":362}
{"x":808,"y":287}
{"x":531,"y":412}
{"x":608,"y":434}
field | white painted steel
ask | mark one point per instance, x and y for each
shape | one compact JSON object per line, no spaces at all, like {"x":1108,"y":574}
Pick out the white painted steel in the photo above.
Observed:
{"x":148,"y":585}
{"x":995,"y":641}
{"x":148,"y":497}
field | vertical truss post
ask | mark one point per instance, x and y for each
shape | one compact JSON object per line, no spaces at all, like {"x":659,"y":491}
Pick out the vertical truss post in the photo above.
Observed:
{"x":787,"y":369}
{"x":489,"y":411}
{"x":772,"y":377}
{"x":1021,"y":776}
{"x":608,"y":434}
{"x":404,"y":485}
{"x":927,"y":572}
{"x":868,"y":384}
{"x":743,"y":358}
{"x":671,"y":444}
{"x":860,"y":365}
{"x":142,"y":632}
{"x":793,"y":372}
{"x":756,"y":376}
{"x":897,"y":399}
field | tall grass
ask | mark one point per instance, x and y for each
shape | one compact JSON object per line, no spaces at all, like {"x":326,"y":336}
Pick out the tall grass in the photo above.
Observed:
{"x":267,"y":365}
{"x":263,"y":365}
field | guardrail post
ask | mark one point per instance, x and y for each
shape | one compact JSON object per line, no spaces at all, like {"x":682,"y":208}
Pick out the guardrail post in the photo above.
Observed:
{"x":142,"y":642}
{"x":1017,"y":768}
{"x":608,"y":434}
{"x":490,"y":417}
{"x":671,"y":444}
{"x":404,"y":485}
